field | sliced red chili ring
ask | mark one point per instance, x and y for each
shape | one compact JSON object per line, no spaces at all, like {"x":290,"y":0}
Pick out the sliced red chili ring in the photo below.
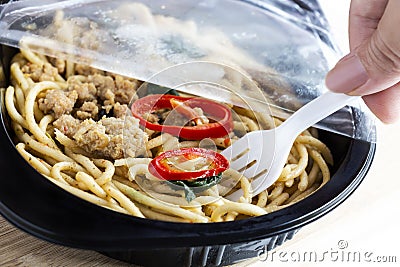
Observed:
{"x":162,"y":166}
{"x":220,"y":114}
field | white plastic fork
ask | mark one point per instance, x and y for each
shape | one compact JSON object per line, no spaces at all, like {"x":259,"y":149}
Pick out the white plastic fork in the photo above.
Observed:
{"x":261,"y":155}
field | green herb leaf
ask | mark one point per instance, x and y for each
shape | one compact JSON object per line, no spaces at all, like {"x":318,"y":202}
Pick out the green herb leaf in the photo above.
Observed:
{"x":189,"y":193}
{"x":197,"y":185}
{"x":205,"y":182}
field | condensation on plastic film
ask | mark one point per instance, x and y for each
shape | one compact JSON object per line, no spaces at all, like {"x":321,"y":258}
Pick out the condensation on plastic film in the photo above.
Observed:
{"x":281,"y":48}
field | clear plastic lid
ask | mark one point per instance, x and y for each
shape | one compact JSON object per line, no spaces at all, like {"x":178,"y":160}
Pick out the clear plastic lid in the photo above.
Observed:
{"x":273,"y":43}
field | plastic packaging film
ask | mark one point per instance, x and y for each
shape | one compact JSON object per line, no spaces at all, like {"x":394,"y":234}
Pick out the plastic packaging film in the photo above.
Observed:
{"x":284,"y":46}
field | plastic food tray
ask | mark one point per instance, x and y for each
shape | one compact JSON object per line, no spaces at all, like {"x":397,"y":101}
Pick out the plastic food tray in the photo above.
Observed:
{"x":39,"y":207}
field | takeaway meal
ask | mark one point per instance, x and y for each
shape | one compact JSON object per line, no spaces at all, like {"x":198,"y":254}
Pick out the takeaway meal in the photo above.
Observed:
{"x":155,"y":156}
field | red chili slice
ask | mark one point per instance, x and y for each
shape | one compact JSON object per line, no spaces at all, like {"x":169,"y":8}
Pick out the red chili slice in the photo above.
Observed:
{"x":163,"y":168}
{"x":218,"y":112}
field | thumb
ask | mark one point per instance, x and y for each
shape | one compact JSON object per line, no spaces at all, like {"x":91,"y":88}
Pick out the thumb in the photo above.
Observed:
{"x":375,"y":64}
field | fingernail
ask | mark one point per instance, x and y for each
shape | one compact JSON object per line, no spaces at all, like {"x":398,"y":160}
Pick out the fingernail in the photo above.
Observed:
{"x":347,"y":75}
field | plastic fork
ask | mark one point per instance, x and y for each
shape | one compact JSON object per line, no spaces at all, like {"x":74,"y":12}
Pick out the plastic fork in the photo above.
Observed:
{"x":261,"y":155}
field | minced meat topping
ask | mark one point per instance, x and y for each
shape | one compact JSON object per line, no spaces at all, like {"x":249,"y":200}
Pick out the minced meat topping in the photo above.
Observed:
{"x":58,"y":102}
{"x":40,"y":73}
{"x":92,"y":110}
{"x":105,"y":138}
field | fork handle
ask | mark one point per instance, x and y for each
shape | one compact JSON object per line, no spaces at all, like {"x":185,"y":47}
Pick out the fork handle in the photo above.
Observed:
{"x":316,"y":110}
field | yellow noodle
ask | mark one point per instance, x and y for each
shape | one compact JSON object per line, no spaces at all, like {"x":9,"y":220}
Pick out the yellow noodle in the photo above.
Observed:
{"x":322,"y":165}
{"x":36,"y":163}
{"x":242,"y":208}
{"x":108,"y":173}
{"x":313,"y":175}
{"x":30,"y":119}
{"x":45,"y":121}
{"x":263,"y":119}
{"x":129,"y":162}
{"x":189,"y":144}
{"x":295,"y":154}
{"x":67,"y":166}
{"x":20,"y":99}
{"x":90,"y":184}
{"x":290,"y":182}
{"x":209,"y":200}
{"x":68,"y":143}
{"x":279,"y":200}
{"x":231,"y":216}
{"x":19,"y":77}
{"x":122,"y":199}
{"x":85,"y":162}
{"x":278,"y":189}
{"x":114,"y":206}
{"x":151,"y":214}
{"x":196,"y":209}
{"x":69,"y":68}
{"x":82,"y":194}
{"x":32,"y":57}
{"x":246,"y":187}
{"x":176,"y":200}
{"x":293,"y":196}
{"x":305,"y":193}
{"x":212,"y":191}
{"x":251,"y":124}
{"x":148,"y":201}
{"x":262,"y":199}
{"x":321,"y":147}
{"x":170,"y":144}
{"x":44,"y":149}
{"x":137,"y":170}
{"x":38,"y":114}
{"x":303,"y":184}
{"x":158,"y":141}
{"x":301,"y":165}
{"x":239,"y":128}
{"x":12,"y":111}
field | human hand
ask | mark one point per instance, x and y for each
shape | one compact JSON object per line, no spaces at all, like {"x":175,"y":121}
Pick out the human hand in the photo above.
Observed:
{"x":372,"y":68}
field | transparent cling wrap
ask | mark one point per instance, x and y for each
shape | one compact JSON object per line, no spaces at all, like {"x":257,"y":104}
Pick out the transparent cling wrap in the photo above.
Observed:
{"x":284,"y":46}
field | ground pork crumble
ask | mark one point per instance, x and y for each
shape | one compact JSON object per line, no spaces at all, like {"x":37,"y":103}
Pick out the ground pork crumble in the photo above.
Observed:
{"x":111,"y":138}
{"x":40,"y":73}
{"x":92,"y":109}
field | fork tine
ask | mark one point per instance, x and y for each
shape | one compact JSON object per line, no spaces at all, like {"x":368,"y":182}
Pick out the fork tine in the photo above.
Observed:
{"x":241,"y":162}
{"x":236,"y":148}
{"x":254,"y":170}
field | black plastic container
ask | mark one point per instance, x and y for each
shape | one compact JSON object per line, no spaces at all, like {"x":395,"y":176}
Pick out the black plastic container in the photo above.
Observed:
{"x":37,"y":206}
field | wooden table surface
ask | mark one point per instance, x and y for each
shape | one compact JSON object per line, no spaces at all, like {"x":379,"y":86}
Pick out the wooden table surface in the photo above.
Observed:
{"x":366,"y":224}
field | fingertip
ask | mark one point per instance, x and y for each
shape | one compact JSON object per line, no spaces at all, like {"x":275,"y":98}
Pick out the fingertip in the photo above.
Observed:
{"x":348,"y":75}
